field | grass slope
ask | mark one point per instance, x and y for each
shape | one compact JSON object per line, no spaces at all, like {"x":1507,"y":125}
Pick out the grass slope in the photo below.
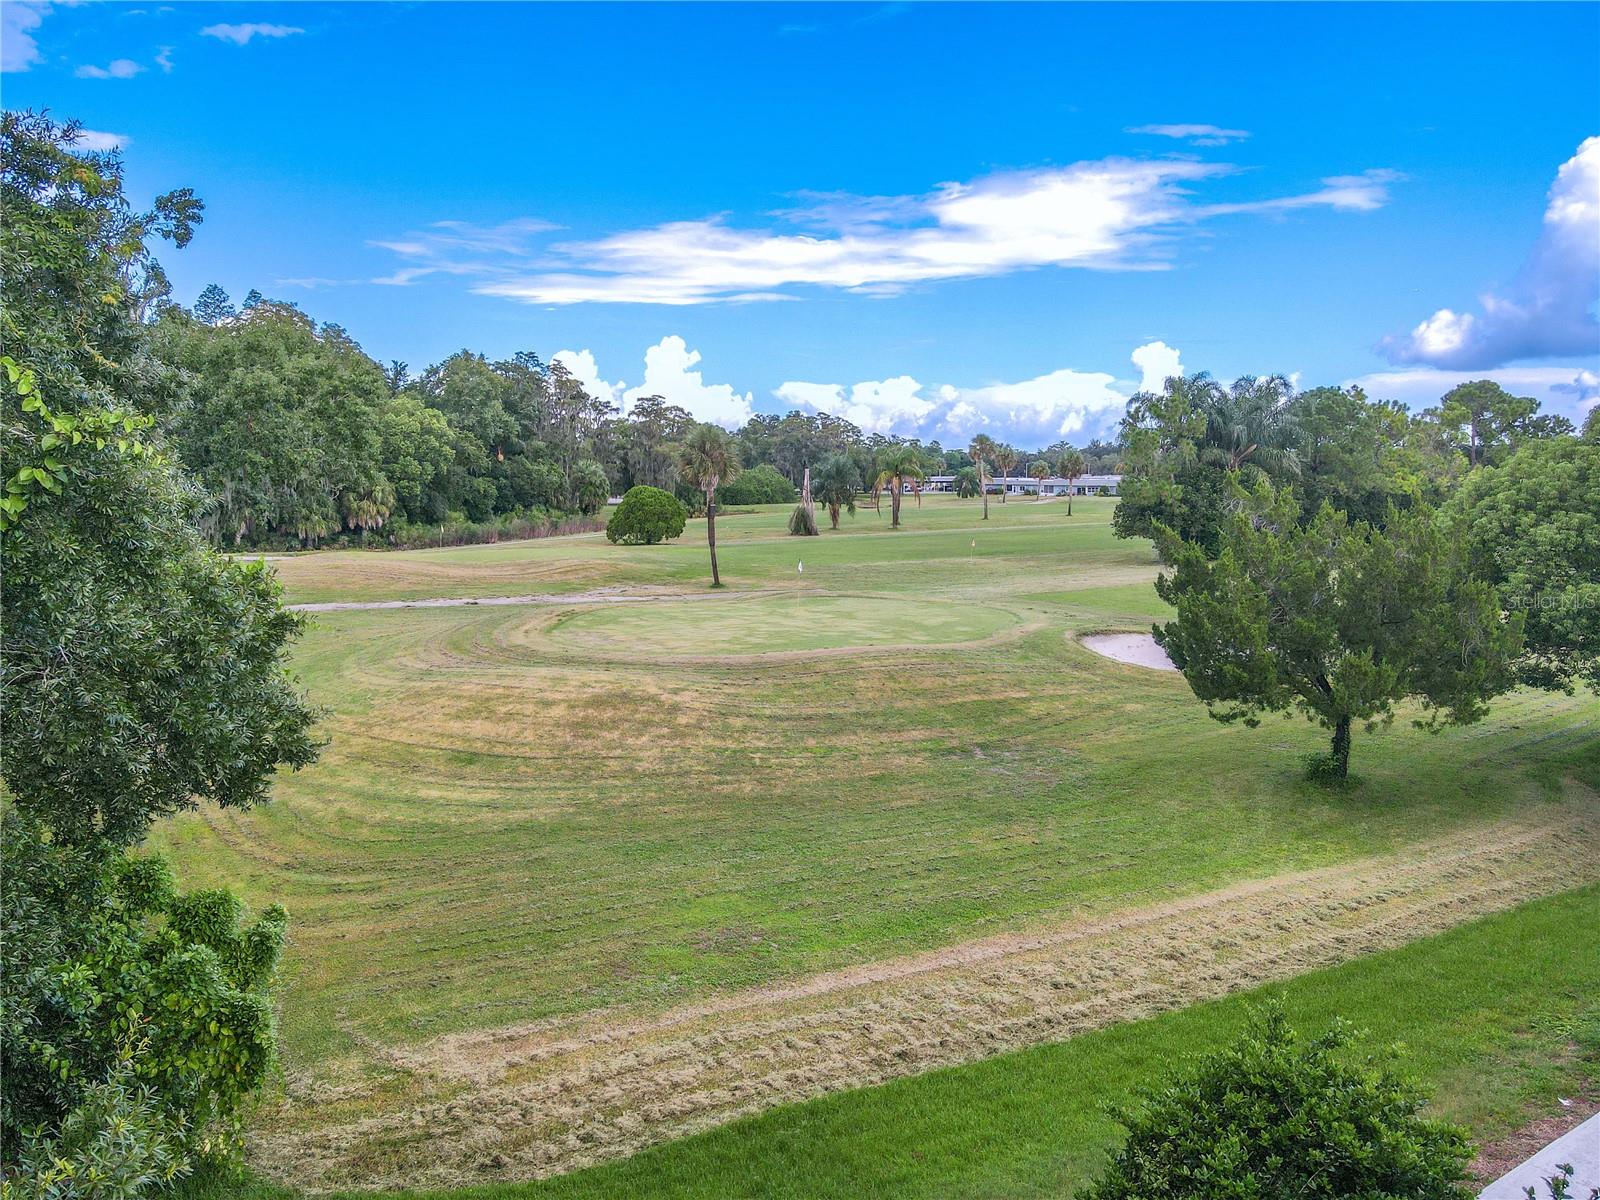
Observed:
{"x":526,"y":813}
{"x":1499,"y":1017}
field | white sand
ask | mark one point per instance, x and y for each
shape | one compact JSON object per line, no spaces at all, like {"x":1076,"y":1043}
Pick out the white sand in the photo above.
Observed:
{"x":1137,"y":649}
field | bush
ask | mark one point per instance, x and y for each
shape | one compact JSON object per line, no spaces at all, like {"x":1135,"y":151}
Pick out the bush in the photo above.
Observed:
{"x":647,"y":515}
{"x":1274,"y":1116}
{"x":115,"y":1145}
{"x":759,"y":485}
{"x":803,"y":522}
{"x":510,"y":527}
{"x":121,"y":993}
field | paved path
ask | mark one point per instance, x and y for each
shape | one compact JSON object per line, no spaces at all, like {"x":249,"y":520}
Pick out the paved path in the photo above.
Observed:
{"x":1579,"y":1147}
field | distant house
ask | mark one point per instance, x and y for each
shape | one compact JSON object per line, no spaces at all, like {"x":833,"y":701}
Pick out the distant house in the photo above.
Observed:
{"x":1051,"y":485}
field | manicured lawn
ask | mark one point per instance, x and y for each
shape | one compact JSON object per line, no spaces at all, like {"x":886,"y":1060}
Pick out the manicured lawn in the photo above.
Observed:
{"x":541,"y":813}
{"x":1498,"y":1017}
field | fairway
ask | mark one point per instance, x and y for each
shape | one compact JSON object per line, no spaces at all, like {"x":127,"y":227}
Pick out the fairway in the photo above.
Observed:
{"x":769,"y":623}
{"x":628,"y":858}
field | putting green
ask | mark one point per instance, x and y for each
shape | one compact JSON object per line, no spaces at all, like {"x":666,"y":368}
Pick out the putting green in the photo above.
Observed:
{"x":773,"y":623}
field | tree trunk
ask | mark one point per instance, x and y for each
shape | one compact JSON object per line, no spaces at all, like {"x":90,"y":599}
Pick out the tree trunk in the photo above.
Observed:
{"x":1069,"y":499}
{"x":983,"y":487}
{"x":833,"y":514}
{"x":711,"y":537}
{"x":1341,"y":747}
{"x":894,"y":504}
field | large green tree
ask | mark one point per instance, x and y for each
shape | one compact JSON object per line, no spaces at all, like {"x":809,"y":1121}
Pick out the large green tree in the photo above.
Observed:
{"x":1071,"y":466}
{"x":1532,"y":527}
{"x":1338,"y":620}
{"x":1486,"y":423}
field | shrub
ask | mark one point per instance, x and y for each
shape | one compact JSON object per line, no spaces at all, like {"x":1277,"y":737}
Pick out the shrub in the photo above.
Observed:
{"x":803,"y":522}
{"x":113,"y":980}
{"x":1275,"y":1116}
{"x":115,"y":1144}
{"x":759,"y":485}
{"x":647,"y":515}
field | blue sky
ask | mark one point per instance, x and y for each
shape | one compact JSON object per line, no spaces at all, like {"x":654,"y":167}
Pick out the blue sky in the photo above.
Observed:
{"x":934,"y":219}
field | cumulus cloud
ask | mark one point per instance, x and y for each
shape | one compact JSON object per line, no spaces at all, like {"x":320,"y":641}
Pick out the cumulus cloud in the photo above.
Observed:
{"x":19,"y":50}
{"x":1546,"y":310}
{"x":1113,"y":214}
{"x":1195,"y":135}
{"x":1157,"y":363}
{"x":241,"y":34}
{"x":875,"y":406}
{"x":1061,"y":404}
{"x":1568,"y":391}
{"x":580,"y":364}
{"x":669,"y":371}
{"x":120,"y":68}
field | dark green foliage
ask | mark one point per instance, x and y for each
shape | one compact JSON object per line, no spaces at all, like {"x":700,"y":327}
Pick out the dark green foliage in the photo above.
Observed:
{"x":141,"y":670}
{"x":1532,"y":527}
{"x":646,"y":516}
{"x":590,"y":487}
{"x":834,"y":484}
{"x":115,"y":1144}
{"x":759,"y":485}
{"x":1277,"y":1116}
{"x":966,"y":483}
{"x":113,"y":979}
{"x":1335,"y":619}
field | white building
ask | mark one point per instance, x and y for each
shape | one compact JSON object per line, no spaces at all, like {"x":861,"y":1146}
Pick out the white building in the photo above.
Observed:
{"x":1018,"y":485}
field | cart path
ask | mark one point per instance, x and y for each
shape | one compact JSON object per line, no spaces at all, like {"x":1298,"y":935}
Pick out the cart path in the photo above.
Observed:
{"x":550,"y":1097}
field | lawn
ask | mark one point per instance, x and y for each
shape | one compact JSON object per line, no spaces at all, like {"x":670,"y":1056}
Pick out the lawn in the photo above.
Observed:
{"x":577,"y":818}
{"x":1498,"y":1017}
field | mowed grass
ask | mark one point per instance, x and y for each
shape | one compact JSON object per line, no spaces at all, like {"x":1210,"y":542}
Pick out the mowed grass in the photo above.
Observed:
{"x":527,"y":812}
{"x":1498,"y":1018}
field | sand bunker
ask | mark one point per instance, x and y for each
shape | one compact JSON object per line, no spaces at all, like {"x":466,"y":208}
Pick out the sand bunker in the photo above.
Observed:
{"x":1139,"y":649}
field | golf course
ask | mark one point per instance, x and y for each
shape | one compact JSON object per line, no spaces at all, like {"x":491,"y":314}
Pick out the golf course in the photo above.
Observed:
{"x":610,"y":884}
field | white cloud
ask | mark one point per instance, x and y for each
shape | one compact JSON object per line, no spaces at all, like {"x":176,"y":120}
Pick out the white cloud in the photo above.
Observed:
{"x":164,"y":59}
{"x":94,"y":140}
{"x":18,"y":48}
{"x":121,"y":68}
{"x":239,"y":35}
{"x":886,"y":406}
{"x":1568,"y":391}
{"x":1195,"y":135}
{"x":1035,"y":412}
{"x":1545,"y":310}
{"x":668,"y":372}
{"x":461,"y":248}
{"x":581,"y":366}
{"x":1115,"y":214}
{"x":1157,"y":363}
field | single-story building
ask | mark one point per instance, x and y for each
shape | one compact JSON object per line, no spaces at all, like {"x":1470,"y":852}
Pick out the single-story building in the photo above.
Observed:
{"x":1050,"y":485}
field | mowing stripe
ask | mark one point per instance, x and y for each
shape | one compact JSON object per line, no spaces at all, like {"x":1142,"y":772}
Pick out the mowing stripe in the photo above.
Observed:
{"x":543,"y":1099}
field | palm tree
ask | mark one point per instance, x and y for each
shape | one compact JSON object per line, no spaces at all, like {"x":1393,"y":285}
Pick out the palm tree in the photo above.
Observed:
{"x":836,"y":484}
{"x":1039,"y":469}
{"x":982,"y":453}
{"x":709,"y":457}
{"x":968,"y":485}
{"x":1071,"y":466}
{"x":898,"y":466}
{"x":1005,"y":457}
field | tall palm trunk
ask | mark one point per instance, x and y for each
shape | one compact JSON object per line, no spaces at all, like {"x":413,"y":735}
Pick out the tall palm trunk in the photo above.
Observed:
{"x":894,"y":503}
{"x":983,"y":486}
{"x":711,"y":534}
{"x":1069,"y":499}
